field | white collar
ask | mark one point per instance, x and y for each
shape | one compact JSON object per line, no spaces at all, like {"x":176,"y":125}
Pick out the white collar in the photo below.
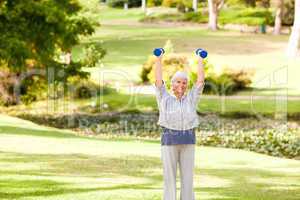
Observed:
{"x":182,"y":98}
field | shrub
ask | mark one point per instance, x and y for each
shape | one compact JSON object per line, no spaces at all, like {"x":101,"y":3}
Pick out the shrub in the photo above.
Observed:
{"x":153,"y":3}
{"x":115,"y":3}
{"x":195,"y":17}
{"x":171,"y":63}
{"x":227,"y":82}
{"x":120,"y":3}
{"x":288,"y":12}
{"x":271,"y":142}
{"x":189,"y":4}
{"x":179,"y":4}
{"x":240,"y":77}
{"x":85,"y":88}
{"x":170,"y":3}
{"x":185,"y":6}
{"x":222,"y":84}
{"x":177,"y":17}
{"x":172,"y":17}
{"x":236,"y":3}
{"x":32,"y":88}
{"x":134,"y":3}
{"x":7,"y":82}
{"x":180,"y":7}
{"x":248,"y":16}
{"x":267,"y":138}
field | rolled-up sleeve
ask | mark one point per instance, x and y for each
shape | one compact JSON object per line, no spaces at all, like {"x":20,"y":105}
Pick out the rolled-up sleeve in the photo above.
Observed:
{"x":195,"y":92}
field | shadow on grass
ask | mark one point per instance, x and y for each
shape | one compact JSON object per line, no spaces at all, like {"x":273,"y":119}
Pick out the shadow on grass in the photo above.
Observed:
{"x":80,"y":165}
{"x":244,"y":187}
{"x":75,"y":166}
{"x":129,"y":168}
{"x":44,"y":188}
{"x":35,"y":132}
{"x":61,"y":135}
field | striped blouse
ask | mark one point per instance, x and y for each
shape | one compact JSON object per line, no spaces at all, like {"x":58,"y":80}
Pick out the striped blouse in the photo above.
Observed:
{"x":178,"y":118}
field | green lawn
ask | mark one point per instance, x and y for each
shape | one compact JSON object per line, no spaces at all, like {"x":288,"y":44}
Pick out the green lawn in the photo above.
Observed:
{"x":45,"y":163}
{"x":143,"y":103}
{"x":256,"y":106}
{"x":129,"y":43}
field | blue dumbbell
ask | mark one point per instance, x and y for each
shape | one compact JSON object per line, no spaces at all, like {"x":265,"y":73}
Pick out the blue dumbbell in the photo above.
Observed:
{"x":158,"y":51}
{"x":201,"y":52}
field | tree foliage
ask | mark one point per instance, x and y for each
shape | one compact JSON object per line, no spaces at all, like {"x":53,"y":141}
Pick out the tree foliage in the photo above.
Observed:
{"x":34,"y":33}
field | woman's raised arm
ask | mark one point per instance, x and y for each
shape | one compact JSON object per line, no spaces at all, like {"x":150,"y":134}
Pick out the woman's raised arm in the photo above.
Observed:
{"x":158,"y":71}
{"x":200,"y":72}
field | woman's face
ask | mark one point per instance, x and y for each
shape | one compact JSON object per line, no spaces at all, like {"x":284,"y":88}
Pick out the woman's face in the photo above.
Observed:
{"x":179,"y":86}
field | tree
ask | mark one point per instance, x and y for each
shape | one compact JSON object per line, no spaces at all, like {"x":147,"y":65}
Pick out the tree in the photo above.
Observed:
{"x":213,"y":8}
{"x":294,"y":40}
{"x":250,"y":3}
{"x":288,"y":12}
{"x":263,"y":3}
{"x":33,"y":33}
{"x":278,"y":17}
{"x":195,"y":5}
{"x":144,"y":5}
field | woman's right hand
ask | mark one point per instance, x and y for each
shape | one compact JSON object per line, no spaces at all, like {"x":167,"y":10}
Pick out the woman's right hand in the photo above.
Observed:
{"x":159,"y":58}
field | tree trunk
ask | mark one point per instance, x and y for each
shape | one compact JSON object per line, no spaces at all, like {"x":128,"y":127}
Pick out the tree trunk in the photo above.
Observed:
{"x":68,"y":58}
{"x":125,"y":6}
{"x":278,"y":17}
{"x":144,"y":6}
{"x":195,"y":5}
{"x":213,"y":15}
{"x":294,"y":41}
{"x":220,"y":5}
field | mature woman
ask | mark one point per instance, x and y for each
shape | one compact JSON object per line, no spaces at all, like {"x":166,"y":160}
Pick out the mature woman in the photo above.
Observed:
{"x":178,"y":119}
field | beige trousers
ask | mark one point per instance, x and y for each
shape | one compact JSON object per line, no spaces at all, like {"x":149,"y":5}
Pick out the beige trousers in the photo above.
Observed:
{"x":184,"y":155}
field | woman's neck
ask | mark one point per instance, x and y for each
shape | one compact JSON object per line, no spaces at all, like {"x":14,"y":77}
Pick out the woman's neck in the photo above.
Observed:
{"x":178,"y":96}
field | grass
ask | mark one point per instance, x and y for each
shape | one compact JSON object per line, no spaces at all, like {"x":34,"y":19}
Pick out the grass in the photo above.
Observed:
{"x":129,"y":43}
{"x":111,"y":14}
{"x":257,"y":106}
{"x":229,"y":15}
{"x":143,"y":103}
{"x":57,"y":166}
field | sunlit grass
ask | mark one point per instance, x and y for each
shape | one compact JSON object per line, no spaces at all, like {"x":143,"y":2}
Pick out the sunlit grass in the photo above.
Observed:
{"x":142,"y":103}
{"x":56,"y":166}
